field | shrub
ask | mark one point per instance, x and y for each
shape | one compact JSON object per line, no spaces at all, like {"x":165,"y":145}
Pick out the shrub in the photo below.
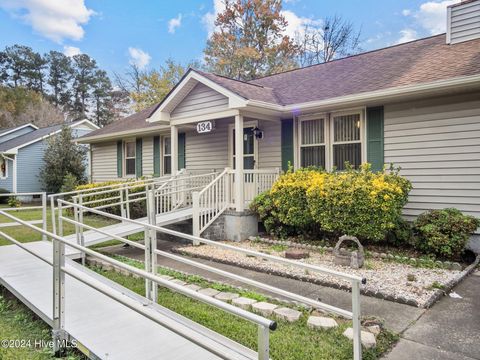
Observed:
{"x":289,"y":197}
{"x":401,"y":234}
{"x":13,"y":202}
{"x":360,"y":202}
{"x":444,"y":232}
{"x":137,"y":208}
{"x":70,"y":182}
{"x":264,"y":207}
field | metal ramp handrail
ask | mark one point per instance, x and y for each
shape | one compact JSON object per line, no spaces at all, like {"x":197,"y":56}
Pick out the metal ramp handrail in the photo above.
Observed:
{"x":150,"y":262}
{"x":60,"y":269}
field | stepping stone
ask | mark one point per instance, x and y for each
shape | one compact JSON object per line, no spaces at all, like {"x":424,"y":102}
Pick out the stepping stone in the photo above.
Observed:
{"x":208,"y":292}
{"x":296,"y":254}
{"x":374,"y":329}
{"x":287,"y":314}
{"x":320,"y":322}
{"x":179,"y":282}
{"x":367,"y":338}
{"x":243,"y":302}
{"x":226,"y":296}
{"x":193,"y":287}
{"x":264,"y":308}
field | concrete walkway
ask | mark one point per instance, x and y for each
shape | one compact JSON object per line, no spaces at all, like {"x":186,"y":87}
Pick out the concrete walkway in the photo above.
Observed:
{"x":398,"y":317}
{"x":449,"y":330}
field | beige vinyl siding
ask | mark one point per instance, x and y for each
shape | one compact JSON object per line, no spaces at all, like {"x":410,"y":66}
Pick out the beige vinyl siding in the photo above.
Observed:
{"x":104,"y":161}
{"x":147,"y":156}
{"x":208,"y":151}
{"x":465,"y":22}
{"x":436,"y":142}
{"x":270,"y":148}
{"x":200,"y":100}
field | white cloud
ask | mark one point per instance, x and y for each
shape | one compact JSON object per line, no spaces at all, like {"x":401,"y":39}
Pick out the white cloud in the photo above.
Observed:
{"x":407,"y":35}
{"x":296,"y":24}
{"x":55,"y":19}
{"x":406,"y":12}
{"x":71,"y":51}
{"x":432,"y":15}
{"x":174,"y":23}
{"x":208,"y":20}
{"x":139,"y":57}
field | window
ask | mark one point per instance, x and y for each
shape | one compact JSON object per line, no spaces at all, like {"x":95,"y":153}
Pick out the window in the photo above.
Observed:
{"x":130,"y":155}
{"x":167,"y":156}
{"x":347,"y":146}
{"x":312,"y":143}
{"x":3,"y":168}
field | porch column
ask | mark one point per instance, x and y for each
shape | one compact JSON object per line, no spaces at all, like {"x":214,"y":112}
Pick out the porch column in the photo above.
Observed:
{"x":174,"y":150}
{"x":239,"y":195}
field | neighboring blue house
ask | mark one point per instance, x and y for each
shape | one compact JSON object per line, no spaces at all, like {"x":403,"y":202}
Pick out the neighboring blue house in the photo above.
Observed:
{"x":22,"y":150}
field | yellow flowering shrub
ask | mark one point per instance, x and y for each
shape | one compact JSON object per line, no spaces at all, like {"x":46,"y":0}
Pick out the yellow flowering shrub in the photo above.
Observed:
{"x":360,"y":202}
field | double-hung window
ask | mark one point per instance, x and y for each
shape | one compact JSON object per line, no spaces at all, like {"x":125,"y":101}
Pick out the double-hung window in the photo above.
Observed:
{"x":130,"y":156}
{"x":346,"y":144}
{"x":312,"y":143}
{"x":167,"y":155}
{"x":330,"y":140}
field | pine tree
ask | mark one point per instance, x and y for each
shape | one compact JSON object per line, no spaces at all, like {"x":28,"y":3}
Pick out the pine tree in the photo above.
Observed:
{"x":60,"y":74}
{"x":84,"y":68}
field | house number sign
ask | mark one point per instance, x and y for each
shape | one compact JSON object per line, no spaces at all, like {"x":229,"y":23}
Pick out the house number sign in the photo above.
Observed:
{"x":204,"y":127}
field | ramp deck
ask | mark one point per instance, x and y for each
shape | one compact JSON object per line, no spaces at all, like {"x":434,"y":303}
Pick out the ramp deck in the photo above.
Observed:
{"x":104,"y":327}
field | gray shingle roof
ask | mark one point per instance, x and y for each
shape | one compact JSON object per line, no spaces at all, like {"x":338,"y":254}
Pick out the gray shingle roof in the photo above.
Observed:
{"x":26,"y":138}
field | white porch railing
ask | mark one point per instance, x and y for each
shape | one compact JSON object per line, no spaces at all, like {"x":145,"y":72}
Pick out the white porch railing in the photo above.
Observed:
{"x":255,"y":182}
{"x":210,"y":202}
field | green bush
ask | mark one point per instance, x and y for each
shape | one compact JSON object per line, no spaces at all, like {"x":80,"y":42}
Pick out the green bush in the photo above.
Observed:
{"x":70,"y":182}
{"x":13,"y":202}
{"x":137,"y":208}
{"x":264,"y":207}
{"x":359,"y":202}
{"x":444,"y":232}
{"x":401,"y":234}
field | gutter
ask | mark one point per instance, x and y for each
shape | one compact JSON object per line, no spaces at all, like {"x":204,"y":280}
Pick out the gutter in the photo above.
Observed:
{"x":115,"y":135}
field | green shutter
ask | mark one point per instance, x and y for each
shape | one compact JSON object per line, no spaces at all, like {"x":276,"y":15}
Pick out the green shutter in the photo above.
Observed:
{"x":120,"y":158}
{"x":181,"y":151}
{"x":375,"y":154}
{"x":287,"y":143}
{"x":156,"y":156}
{"x":138,"y":158}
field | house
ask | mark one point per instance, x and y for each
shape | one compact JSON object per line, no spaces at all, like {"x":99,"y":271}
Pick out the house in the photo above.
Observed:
{"x":21,"y":154}
{"x":416,"y":105}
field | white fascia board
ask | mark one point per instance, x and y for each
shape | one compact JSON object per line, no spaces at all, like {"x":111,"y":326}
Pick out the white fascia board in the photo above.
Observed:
{"x":234,"y":100}
{"x":86,"y":122}
{"x":121,"y":134}
{"x":19,"y":128}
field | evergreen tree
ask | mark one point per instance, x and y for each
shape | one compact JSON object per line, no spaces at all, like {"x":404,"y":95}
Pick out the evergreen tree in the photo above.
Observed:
{"x":62,"y":156}
{"x":84,"y":68}
{"x":102,"y":99}
{"x":60,"y":74}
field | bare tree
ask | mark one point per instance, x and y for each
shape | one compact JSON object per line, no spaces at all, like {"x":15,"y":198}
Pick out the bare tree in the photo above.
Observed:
{"x":332,"y":38}
{"x":131,"y":81}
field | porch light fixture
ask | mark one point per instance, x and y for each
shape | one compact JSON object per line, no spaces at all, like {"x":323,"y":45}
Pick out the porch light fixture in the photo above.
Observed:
{"x":257,"y":133}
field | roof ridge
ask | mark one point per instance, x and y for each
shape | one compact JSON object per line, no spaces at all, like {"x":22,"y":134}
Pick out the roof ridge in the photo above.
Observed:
{"x":349,"y":56}
{"x":228,"y":78}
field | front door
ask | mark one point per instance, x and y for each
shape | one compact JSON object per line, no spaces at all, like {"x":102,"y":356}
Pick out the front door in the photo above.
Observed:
{"x":249,"y":148}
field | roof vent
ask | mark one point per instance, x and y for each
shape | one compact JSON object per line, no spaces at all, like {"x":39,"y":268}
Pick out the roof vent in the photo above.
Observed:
{"x":463,"y":21}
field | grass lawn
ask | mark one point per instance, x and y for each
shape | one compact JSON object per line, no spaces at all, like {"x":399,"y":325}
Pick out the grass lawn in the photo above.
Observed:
{"x":17,"y":322}
{"x":24,"y":234}
{"x":291,"y":341}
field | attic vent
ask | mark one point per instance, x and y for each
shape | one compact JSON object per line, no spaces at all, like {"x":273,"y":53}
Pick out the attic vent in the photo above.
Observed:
{"x":463,"y":21}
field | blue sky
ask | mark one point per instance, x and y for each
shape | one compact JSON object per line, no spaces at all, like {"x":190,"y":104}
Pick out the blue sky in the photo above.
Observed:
{"x":119,"y":32}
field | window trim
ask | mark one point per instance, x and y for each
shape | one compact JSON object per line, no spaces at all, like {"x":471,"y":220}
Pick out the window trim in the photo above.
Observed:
{"x":6,"y":168}
{"x":326,"y":136}
{"x":125,"y":158}
{"x":164,"y":154}
{"x":329,"y":135}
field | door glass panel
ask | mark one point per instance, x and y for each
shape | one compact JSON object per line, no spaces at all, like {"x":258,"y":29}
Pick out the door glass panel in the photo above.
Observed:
{"x":248,"y":162}
{"x":248,"y":148}
{"x":248,"y":138}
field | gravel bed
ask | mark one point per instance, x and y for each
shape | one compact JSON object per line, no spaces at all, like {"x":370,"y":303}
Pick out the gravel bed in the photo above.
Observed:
{"x":391,"y":280}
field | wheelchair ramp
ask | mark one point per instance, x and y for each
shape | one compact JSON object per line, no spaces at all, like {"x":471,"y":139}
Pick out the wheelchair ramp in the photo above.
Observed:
{"x":105,"y":328}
